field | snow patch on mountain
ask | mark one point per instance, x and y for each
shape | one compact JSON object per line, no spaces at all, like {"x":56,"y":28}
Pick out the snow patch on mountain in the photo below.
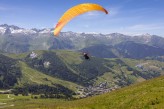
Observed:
{"x":44,"y":31}
{"x":23,"y":31}
{"x":2,"y":30}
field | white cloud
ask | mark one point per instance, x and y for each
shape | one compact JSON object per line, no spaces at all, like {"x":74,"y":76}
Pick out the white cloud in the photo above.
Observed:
{"x":156,"y":29}
{"x":145,"y":27}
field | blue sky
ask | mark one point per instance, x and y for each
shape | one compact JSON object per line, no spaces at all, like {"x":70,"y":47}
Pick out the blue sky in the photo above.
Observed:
{"x":125,"y":16}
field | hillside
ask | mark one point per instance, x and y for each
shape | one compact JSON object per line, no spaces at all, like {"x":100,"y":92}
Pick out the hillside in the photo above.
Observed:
{"x":145,"y":95}
{"x":128,"y":49}
{"x":71,"y":68}
{"x":131,"y":49}
{"x":106,"y":51}
{"x":148,"y":94}
{"x":32,"y":76}
{"x":16,"y":74}
{"x":9,"y":72}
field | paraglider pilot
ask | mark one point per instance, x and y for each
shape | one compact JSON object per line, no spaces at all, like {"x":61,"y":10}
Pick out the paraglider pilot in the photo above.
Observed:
{"x":86,"y":56}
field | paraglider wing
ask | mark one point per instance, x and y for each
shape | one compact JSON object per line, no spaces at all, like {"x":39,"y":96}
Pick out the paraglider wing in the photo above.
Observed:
{"x":75,"y":11}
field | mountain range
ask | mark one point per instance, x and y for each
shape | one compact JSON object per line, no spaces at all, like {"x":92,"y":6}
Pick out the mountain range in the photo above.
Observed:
{"x":14,"y":39}
{"x":34,"y":61}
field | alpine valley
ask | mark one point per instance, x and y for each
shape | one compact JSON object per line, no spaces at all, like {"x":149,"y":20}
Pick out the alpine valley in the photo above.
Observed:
{"x":39,"y":66}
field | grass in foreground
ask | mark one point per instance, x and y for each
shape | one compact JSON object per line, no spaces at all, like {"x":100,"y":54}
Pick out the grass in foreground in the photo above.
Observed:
{"x":145,"y":95}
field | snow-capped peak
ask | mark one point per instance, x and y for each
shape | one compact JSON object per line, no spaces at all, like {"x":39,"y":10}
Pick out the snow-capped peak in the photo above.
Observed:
{"x":11,"y":29}
{"x":147,"y":34}
{"x":2,"y":30}
{"x":46,"y":30}
{"x":23,"y":31}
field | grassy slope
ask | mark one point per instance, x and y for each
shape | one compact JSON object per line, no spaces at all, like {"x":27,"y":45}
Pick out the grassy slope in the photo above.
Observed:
{"x":148,"y":95}
{"x":108,"y":76}
{"x":69,"y":57}
{"x":116,"y":70}
{"x":33,"y":76}
{"x":145,"y":95}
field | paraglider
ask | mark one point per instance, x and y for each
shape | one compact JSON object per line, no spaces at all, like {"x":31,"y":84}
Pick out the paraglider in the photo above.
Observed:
{"x":75,"y":11}
{"x":86,"y":56}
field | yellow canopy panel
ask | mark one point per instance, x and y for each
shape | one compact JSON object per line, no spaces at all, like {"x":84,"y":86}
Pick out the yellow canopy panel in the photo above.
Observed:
{"x":75,"y":11}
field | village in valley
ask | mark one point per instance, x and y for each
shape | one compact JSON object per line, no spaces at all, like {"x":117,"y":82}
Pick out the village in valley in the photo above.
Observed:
{"x":84,"y":92}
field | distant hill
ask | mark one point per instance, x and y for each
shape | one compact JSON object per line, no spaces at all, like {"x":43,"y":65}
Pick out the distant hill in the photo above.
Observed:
{"x":101,"y":51}
{"x":128,"y":49}
{"x":131,"y":49}
{"x":148,"y":39}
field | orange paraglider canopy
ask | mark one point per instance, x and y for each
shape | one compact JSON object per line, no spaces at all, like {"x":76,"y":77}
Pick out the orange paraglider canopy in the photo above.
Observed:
{"x":75,"y":11}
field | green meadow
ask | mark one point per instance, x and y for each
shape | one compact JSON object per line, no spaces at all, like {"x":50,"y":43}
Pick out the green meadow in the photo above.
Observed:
{"x":32,"y":76}
{"x":145,"y":95}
